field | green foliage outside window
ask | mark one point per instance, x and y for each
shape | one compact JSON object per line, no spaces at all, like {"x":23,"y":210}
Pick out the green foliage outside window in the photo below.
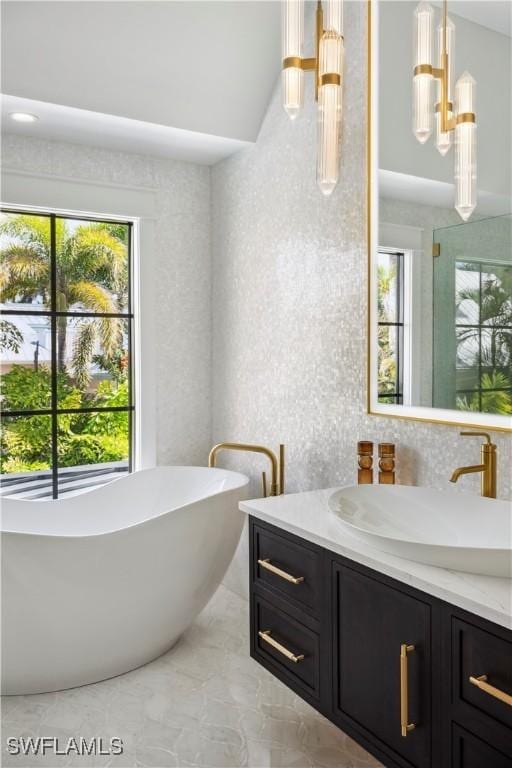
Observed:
{"x":386,"y":310}
{"x":92,"y":358}
{"x":83,"y":438}
{"x":484,"y":341}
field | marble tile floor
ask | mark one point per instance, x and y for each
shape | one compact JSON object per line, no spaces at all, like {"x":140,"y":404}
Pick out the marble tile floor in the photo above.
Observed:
{"x":204,"y":703}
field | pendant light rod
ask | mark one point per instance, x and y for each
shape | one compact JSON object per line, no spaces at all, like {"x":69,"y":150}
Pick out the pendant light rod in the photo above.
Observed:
{"x":441,"y":73}
{"x":445,"y":21}
{"x":459,"y":121}
{"x":319,"y":33}
{"x":327,"y":66}
{"x":310,"y":64}
{"x":447,"y":124}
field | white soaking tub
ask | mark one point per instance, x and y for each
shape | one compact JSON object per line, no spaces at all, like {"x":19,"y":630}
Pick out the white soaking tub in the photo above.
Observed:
{"x":100,"y":583}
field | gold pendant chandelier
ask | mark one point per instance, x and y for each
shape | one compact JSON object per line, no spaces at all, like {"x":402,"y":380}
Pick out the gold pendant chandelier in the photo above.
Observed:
{"x":449,"y":121}
{"x":327,"y":66}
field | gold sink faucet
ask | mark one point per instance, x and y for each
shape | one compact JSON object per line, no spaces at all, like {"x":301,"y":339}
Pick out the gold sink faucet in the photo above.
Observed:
{"x":487,"y":466}
{"x":276,"y":467}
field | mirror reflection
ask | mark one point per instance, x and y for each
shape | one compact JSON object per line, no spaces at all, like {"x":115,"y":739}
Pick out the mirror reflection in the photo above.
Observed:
{"x":442,"y":256}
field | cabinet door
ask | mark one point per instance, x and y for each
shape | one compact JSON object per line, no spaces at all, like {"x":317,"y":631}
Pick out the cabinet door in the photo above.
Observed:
{"x":373,"y":688}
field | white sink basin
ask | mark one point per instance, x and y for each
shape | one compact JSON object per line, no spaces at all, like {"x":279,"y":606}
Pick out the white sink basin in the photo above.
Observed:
{"x":448,"y":529}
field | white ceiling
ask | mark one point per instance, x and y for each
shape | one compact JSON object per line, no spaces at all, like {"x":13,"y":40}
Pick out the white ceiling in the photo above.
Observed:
{"x":121,"y":134}
{"x":186,"y":79}
{"x":416,"y":189}
{"x":493,"y":14}
{"x":200,"y":66}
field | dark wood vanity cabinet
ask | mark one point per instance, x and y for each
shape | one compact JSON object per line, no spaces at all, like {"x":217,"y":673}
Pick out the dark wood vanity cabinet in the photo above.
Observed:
{"x":377,"y":657}
{"x":468,"y":751}
{"x":481,"y":723}
{"x":382,"y":660}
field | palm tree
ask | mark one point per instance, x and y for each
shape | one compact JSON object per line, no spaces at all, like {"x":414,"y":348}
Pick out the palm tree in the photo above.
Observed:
{"x":493,"y":396}
{"x":386,"y":275}
{"x":494,"y":300}
{"x":490,"y":336}
{"x":91,"y":275}
{"x":10,"y":337}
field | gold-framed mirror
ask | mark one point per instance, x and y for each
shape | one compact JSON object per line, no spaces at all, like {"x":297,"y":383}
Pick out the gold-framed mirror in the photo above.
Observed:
{"x":440,"y":212}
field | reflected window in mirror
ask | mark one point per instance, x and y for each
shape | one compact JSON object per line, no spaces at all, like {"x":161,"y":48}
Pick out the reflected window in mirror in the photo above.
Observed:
{"x":440,"y":344}
{"x":391,"y":325}
{"x":472,"y":317}
{"x":484,"y":337}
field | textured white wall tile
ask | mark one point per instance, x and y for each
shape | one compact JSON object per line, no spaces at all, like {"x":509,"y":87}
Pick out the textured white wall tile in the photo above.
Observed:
{"x":289,"y":308}
{"x":289,"y":300}
{"x":182,"y":269}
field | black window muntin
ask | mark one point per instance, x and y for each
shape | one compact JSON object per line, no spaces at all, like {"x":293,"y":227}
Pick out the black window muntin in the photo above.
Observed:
{"x":479,"y":328}
{"x":54,"y":411}
{"x":396,"y":396}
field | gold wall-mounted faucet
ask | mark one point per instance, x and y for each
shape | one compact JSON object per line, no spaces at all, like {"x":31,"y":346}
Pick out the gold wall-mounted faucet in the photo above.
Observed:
{"x":487,"y":467}
{"x":276,"y":467}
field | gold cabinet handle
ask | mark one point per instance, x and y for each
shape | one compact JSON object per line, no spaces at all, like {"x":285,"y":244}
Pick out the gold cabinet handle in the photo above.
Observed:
{"x":267,"y":637}
{"x":278,"y":572}
{"x":405,"y":725}
{"x":481,"y":682}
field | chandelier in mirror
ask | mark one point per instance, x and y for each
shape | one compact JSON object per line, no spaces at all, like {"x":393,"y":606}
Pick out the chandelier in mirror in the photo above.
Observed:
{"x":327,"y":66}
{"x":450,"y":119}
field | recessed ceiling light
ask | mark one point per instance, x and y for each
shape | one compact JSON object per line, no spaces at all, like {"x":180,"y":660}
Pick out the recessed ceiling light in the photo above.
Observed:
{"x":23,"y":117}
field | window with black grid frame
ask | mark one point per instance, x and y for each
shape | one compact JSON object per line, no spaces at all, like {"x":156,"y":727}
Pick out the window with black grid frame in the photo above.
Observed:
{"x":483,"y":327}
{"x":66,"y":352}
{"x":390,"y":321}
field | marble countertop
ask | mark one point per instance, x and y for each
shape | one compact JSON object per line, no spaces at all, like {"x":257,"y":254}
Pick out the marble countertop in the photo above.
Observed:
{"x":307,"y":515}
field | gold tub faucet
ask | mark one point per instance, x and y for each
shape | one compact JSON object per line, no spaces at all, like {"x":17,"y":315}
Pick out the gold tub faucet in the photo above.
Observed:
{"x":276,"y":467}
{"x":487,"y":467}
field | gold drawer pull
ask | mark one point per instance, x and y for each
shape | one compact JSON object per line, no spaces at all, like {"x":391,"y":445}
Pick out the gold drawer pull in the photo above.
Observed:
{"x":278,"y":572}
{"x":267,"y":637}
{"x":405,"y":725}
{"x":481,"y":682}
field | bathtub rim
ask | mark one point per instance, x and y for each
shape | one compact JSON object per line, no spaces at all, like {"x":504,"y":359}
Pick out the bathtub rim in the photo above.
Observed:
{"x":243,"y":482}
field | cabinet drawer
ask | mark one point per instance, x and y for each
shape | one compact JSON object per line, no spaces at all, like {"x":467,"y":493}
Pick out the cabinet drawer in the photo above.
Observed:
{"x":289,"y":569}
{"x":476,"y":653}
{"x":470,"y":752}
{"x":287,"y":646}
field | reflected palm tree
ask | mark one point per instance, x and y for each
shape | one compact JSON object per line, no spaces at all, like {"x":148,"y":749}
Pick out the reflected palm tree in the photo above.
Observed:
{"x":494,"y":301}
{"x":490,"y":337}
{"x":387,"y":373}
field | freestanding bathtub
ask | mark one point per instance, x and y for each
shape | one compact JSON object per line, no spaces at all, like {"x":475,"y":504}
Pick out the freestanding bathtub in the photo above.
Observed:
{"x":100,"y":583}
